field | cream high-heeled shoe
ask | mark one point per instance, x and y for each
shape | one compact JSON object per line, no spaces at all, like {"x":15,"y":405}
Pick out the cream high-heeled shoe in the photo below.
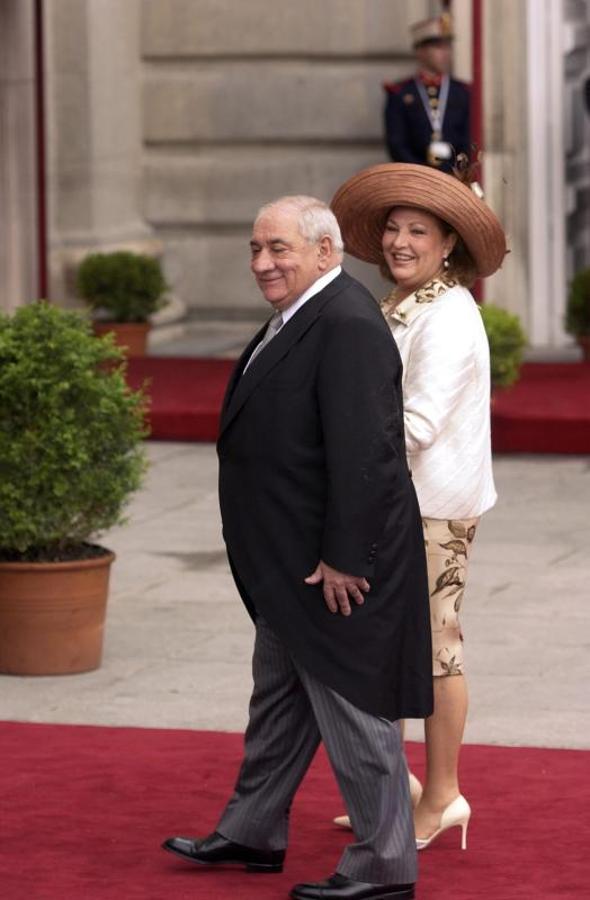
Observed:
{"x":415,"y":794}
{"x":456,"y":814}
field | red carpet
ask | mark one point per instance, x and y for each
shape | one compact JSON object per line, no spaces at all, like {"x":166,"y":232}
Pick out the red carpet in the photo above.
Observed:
{"x":185,"y":394}
{"x":548,"y":411}
{"x":84,"y":810}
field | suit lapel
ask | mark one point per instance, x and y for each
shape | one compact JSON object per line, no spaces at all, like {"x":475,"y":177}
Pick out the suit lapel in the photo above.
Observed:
{"x":239,"y":368}
{"x":241,"y":387}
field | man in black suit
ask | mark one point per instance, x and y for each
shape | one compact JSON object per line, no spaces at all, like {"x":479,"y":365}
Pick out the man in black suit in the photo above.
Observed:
{"x":427,"y":116}
{"x":323,"y":534}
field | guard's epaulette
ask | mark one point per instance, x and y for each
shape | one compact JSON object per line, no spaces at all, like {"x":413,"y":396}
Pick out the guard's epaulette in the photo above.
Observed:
{"x":396,"y":87}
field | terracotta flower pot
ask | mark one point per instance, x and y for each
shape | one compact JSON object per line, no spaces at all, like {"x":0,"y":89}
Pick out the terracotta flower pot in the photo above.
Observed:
{"x":52,"y":616}
{"x":130,"y":336}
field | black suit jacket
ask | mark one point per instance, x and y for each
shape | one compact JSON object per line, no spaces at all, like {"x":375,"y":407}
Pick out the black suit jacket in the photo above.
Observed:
{"x":313,"y":466}
{"x":407,"y":128}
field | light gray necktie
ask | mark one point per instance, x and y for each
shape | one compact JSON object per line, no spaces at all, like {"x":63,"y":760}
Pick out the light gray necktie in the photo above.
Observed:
{"x":274,"y":326}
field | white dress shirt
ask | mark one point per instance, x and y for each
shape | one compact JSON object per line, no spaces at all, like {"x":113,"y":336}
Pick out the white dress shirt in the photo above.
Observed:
{"x":446,"y":391}
{"x":288,"y":313}
{"x":315,"y":288}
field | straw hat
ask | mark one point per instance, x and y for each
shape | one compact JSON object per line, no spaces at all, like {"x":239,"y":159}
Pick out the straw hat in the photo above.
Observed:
{"x":362,"y":204}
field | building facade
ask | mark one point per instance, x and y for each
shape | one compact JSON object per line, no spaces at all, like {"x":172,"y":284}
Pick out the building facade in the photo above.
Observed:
{"x":162,"y":125}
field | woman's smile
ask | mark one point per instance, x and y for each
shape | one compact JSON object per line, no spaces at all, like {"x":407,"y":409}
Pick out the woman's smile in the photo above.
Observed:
{"x":414,"y":246}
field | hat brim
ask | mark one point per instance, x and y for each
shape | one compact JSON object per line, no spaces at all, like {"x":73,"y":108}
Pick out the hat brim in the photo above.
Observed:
{"x":363,"y":203}
{"x":443,"y":39}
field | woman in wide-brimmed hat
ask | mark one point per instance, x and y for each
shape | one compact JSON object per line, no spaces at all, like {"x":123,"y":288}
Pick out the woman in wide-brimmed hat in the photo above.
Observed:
{"x":432,"y":235}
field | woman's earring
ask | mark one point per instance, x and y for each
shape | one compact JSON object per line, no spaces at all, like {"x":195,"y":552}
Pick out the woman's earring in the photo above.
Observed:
{"x":445,"y":263}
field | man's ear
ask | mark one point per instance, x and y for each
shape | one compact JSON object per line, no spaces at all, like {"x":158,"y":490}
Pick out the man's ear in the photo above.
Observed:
{"x":325,"y":250}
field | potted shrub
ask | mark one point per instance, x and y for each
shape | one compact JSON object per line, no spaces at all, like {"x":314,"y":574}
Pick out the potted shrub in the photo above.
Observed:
{"x":507,"y":342}
{"x":123,"y":289}
{"x":577,"y":317}
{"x":71,"y":455}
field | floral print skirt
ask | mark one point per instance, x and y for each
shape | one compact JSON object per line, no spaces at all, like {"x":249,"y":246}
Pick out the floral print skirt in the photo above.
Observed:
{"x":448,"y":547}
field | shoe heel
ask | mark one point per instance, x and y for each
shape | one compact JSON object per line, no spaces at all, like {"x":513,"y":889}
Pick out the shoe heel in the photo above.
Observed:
{"x":264,"y":869}
{"x":464,"y":834}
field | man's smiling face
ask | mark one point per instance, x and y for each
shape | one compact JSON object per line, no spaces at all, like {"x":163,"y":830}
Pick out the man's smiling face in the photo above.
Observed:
{"x":284,"y":264}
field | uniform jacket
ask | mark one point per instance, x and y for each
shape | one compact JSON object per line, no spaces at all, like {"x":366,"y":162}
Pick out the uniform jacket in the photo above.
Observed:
{"x":313,"y":466}
{"x":408,"y":131}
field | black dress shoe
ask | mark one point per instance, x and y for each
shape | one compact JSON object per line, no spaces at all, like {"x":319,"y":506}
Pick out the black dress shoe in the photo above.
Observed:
{"x":339,"y":887}
{"x":215,"y":850}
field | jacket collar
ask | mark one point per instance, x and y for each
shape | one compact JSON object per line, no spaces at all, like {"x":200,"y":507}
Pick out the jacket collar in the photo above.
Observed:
{"x":430,"y":79}
{"x":411,"y":306}
{"x":241,"y":386}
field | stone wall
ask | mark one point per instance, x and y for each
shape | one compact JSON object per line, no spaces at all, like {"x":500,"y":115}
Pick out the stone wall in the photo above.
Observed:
{"x":170,"y":121}
{"x":245,"y":101}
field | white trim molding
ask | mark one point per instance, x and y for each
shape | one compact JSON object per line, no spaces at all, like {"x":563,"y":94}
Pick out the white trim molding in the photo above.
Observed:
{"x":546,"y":172}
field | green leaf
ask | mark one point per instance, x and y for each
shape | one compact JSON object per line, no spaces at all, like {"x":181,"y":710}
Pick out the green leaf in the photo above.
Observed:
{"x":577,"y":318}
{"x":123,"y":286}
{"x":71,"y":433}
{"x":507,"y":342}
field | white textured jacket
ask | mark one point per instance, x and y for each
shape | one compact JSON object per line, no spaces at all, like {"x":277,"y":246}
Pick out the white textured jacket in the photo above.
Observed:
{"x":446,"y":390}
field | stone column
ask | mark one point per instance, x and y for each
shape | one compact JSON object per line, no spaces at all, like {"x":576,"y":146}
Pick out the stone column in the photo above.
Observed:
{"x":462,"y":11}
{"x":94,"y":133}
{"x":18,"y":155}
{"x":546,"y":172}
{"x":525,"y":154}
{"x":505,"y":148}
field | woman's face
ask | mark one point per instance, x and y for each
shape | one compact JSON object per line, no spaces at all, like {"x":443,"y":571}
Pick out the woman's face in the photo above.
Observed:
{"x":414,"y":247}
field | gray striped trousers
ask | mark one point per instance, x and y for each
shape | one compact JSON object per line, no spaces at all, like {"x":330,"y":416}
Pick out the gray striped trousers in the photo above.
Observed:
{"x":290,"y":713}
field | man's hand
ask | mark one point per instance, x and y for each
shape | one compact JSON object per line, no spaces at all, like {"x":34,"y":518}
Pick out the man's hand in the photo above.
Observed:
{"x":339,"y":589}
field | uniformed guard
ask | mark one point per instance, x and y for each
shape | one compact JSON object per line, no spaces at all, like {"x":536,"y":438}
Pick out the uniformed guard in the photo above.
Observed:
{"x":427,"y":116}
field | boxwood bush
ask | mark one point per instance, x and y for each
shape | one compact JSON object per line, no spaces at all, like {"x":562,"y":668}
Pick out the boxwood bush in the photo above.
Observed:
{"x":507,"y":342}
{"x":122,"y":286}
{"x":71,"y":435}
{"x":577,"y":317}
